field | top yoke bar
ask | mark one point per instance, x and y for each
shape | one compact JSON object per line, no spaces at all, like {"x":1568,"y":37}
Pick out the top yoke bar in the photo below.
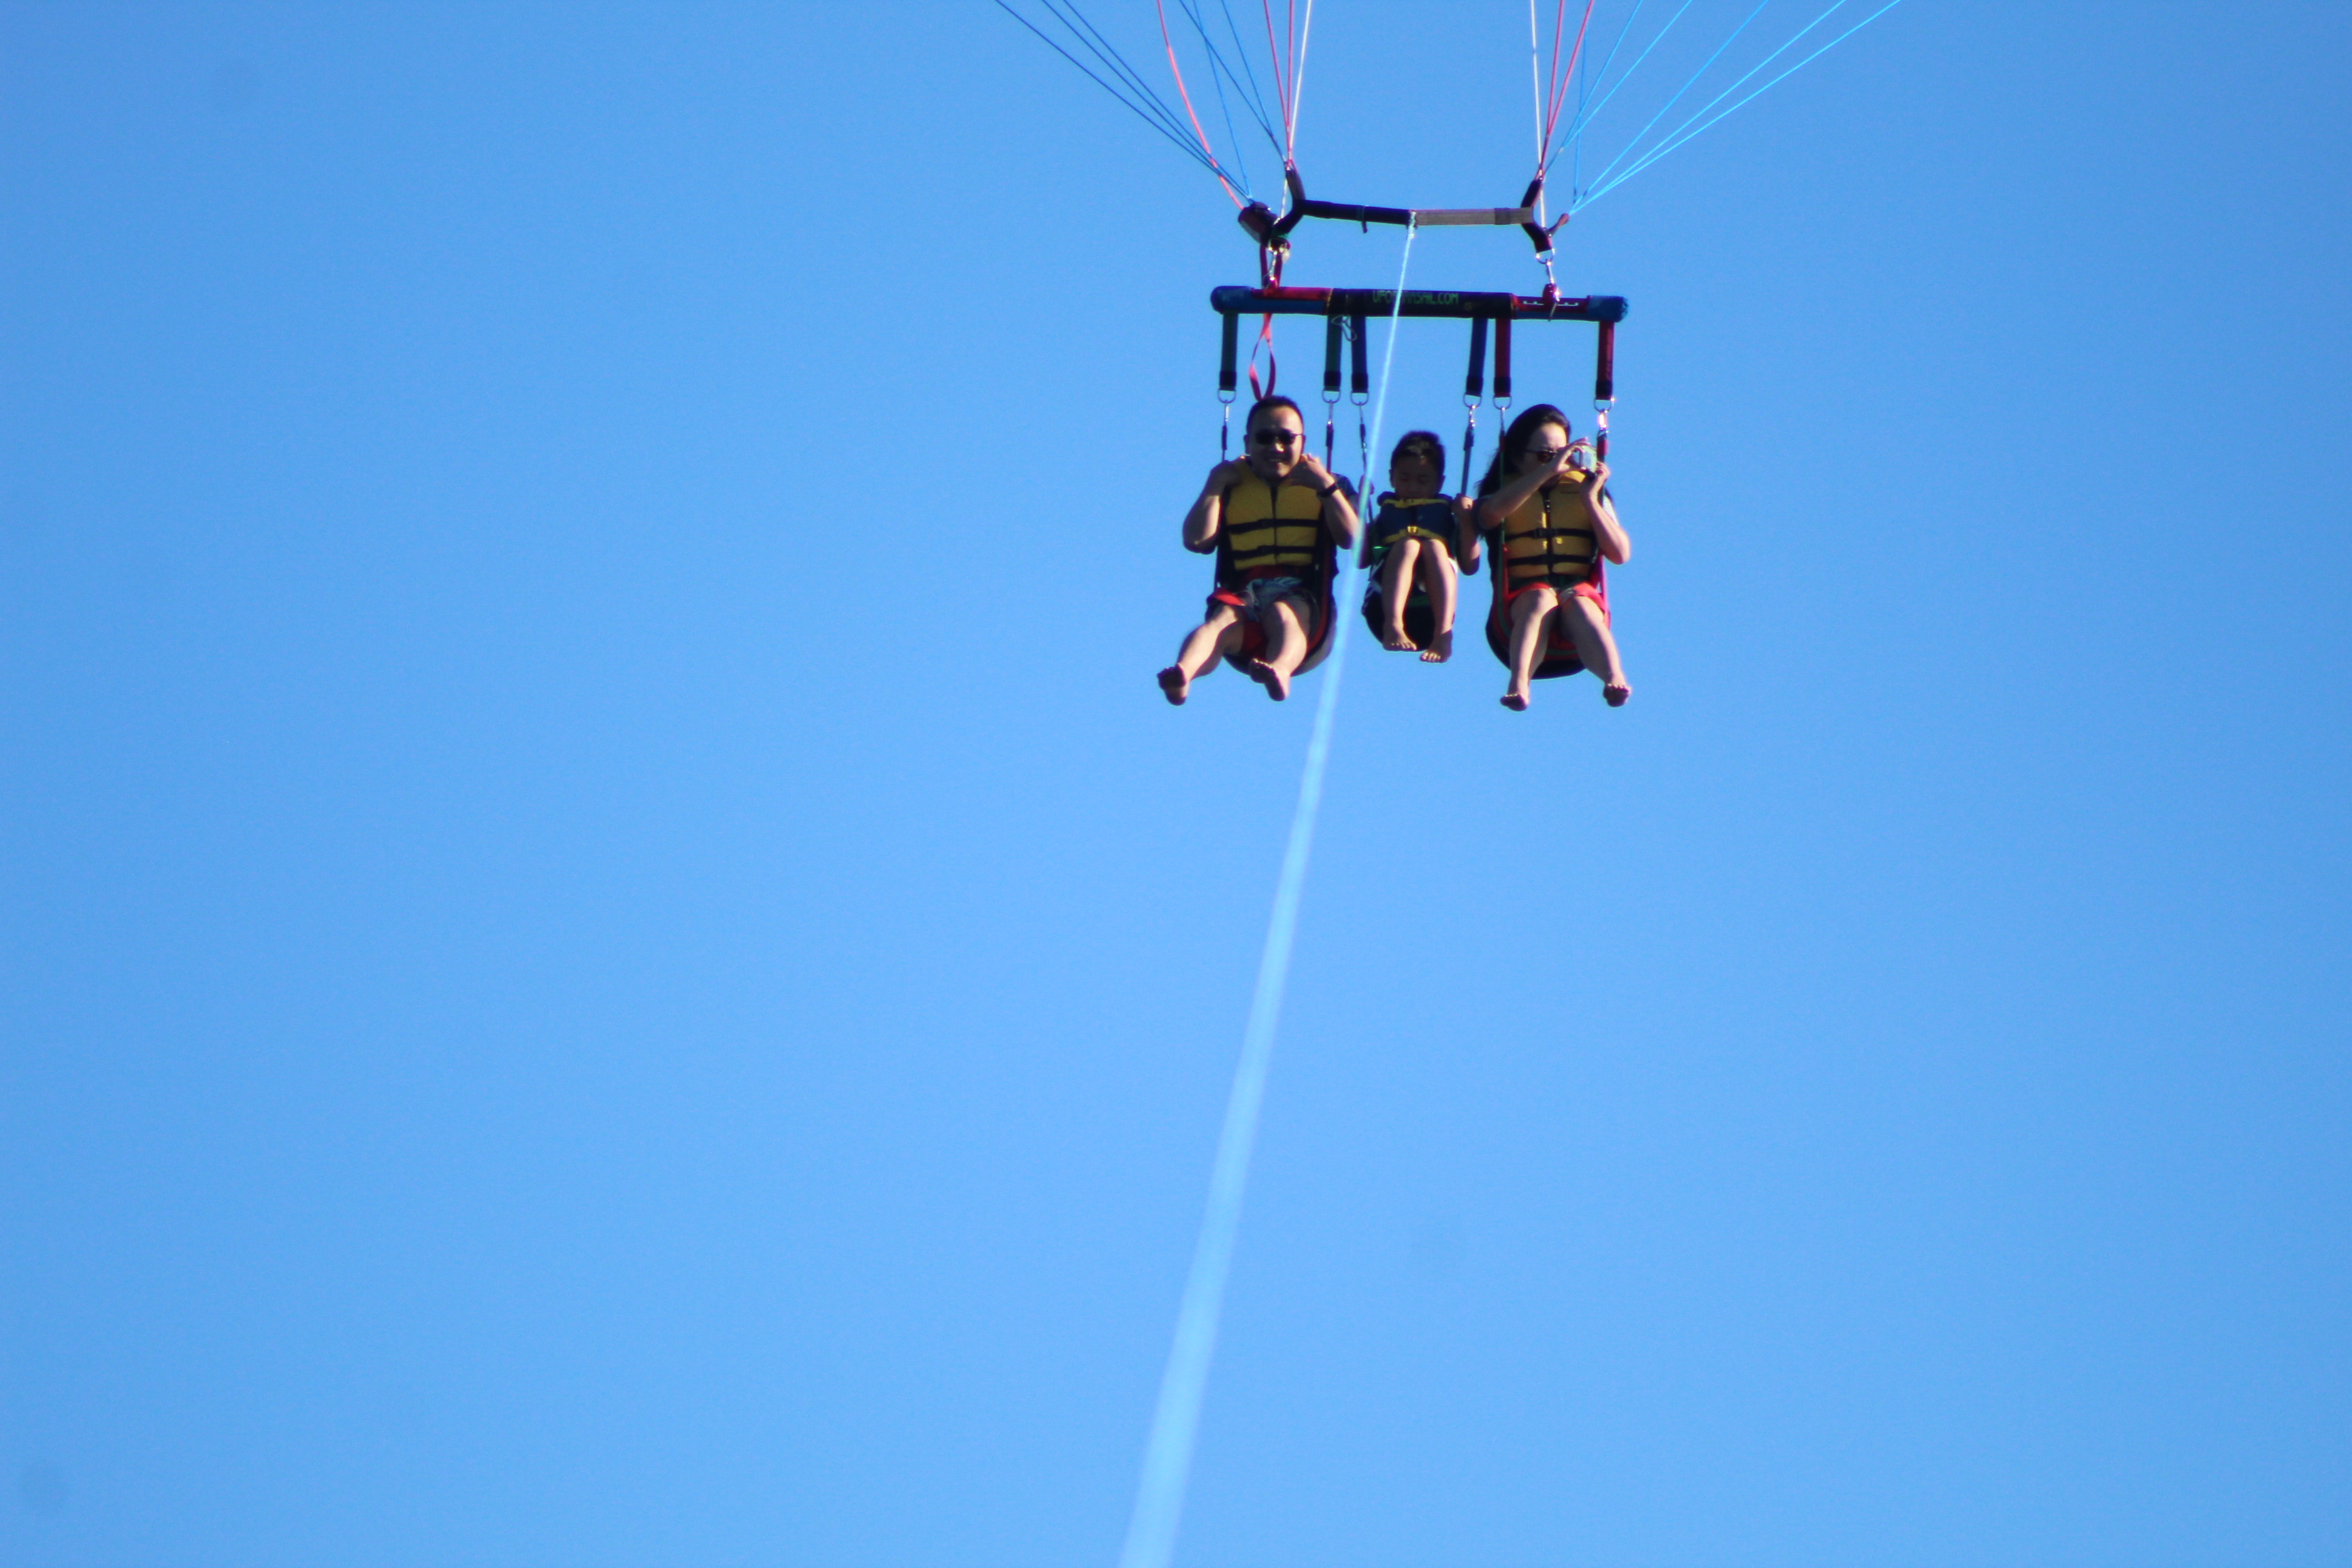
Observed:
{"x":1239,"y":299}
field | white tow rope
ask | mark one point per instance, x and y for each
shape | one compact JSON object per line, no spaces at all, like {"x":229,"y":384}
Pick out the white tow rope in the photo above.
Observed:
{"x":1176,"y":1420}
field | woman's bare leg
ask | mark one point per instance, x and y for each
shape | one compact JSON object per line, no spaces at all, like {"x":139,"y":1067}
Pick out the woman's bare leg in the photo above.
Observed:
{"x":1285,"y":621}
{"x":1209,"y":641}
{"x":1396,"y":591}
{"x":1437,"y":579}
{"x":1530,"y":618}
{"x":1596,"y":648}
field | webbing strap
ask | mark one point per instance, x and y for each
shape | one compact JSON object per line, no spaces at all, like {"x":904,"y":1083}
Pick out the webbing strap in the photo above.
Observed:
{"x":1604,"y":387}
{"x":1334,"y":329}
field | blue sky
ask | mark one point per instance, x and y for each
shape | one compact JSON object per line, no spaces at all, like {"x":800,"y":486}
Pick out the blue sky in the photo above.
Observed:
{"x":612,"y":959}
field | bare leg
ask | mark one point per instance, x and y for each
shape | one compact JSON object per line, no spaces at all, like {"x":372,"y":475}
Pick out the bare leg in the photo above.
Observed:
{"x":1285,"y":622}
{"x":1595,"y":647}
{"x":1396,"y":589}
{"x":1530,"y":618}
{"x":1437,"y":579}
{"x":1210,"y":640}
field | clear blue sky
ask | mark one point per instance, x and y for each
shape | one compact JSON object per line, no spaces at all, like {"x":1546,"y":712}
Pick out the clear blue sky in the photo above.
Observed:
{"x":610,"y":958}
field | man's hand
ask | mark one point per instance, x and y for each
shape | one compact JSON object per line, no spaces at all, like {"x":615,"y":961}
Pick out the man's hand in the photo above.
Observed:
{"x":1226,"y":475}
{"x":1311,"y":471}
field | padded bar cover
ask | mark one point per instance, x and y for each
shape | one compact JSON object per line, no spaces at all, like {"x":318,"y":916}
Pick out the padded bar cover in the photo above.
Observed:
{"x":1423,"y":217}
{"x":1235,"y":298}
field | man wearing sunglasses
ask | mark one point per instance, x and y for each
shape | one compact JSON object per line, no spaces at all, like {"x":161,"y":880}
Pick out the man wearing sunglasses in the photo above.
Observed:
{"x":1276,"y":519}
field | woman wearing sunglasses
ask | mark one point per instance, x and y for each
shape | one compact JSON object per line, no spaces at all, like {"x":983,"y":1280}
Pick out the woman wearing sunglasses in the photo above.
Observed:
{"x":1549,"y":500}
{"x":1276,"y":519}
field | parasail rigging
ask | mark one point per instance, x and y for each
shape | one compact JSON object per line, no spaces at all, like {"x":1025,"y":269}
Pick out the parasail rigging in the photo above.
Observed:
{"x":1690,"y":64}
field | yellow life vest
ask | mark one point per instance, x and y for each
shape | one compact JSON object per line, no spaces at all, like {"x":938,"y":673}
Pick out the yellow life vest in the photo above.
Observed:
{"x":1271,"y":531}
{"x":1552,"y":537}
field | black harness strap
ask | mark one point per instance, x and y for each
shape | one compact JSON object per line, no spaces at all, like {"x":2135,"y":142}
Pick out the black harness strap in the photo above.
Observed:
{"x":1359,"y":393}
{"x":1604,"y":387}
{"x":1473,"y":388}
{"x":1333,"y":330}
{"x":1227,"y":377}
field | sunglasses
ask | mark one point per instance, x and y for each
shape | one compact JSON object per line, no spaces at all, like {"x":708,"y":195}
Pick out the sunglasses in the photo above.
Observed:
{"x":1545,"y":454}
{"x":1273,"y":439}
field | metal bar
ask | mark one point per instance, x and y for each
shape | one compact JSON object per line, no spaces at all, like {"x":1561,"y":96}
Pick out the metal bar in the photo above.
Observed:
{"x":1422,"y":218}
{"x":1234,"y":298}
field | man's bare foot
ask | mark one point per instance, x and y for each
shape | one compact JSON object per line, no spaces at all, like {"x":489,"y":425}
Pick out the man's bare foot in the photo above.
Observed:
{"x":1276,"y":684}
{"x":1440,"y":648}
{"x":1395,"y":641}
{"x":1175,"y":685}
{"x":1615,"y":695}
{"x":1517,"y":702}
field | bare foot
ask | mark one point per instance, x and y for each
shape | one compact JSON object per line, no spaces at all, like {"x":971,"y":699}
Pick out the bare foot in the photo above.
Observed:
{"x":1175,"y":685}
{"x":1276,"y":684}
{"x":1615,"y":695}
{"x":1440,"y":648}
{"x":1395,"y":641}
{"x":1517,"y":702}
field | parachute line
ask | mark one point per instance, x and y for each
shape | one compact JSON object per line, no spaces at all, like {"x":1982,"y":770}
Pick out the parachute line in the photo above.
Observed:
{"x":1687,"y":132}
{"x":1299,"y":82}
{"x":1584,"y":113}
{"x":1706,"y":67}
{"x":1127,"y":85}
{"x":1176,"y":1419}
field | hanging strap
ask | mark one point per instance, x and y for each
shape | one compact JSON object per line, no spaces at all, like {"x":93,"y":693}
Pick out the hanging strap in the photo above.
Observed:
{"x":1228,"y":371}
{"x":1334,"y":328}
{"x":1502,"y":361}
{"x":1604,"y":387}
{"x":1473,"y":388}
{"x":1359,"y":391}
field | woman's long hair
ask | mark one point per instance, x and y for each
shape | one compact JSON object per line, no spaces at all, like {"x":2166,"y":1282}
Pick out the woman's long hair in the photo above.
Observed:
{"x":1514,"y":444}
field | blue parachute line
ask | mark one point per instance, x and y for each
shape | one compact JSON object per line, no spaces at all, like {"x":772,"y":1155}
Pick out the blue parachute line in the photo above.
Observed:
{"x":1685,"y":134}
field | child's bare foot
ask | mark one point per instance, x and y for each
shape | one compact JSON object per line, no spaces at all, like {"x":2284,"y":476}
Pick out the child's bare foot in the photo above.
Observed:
{"x":1395,"y":641}
{"x":1440,"y":648}
{"x":1517,"y":702}
{"x":1276,"y":684}
{"x":1615,"y":695}
{"x":1175,"y":685}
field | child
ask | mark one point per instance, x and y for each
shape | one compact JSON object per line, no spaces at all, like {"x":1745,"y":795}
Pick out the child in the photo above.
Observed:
{"x":1411,"y":546}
